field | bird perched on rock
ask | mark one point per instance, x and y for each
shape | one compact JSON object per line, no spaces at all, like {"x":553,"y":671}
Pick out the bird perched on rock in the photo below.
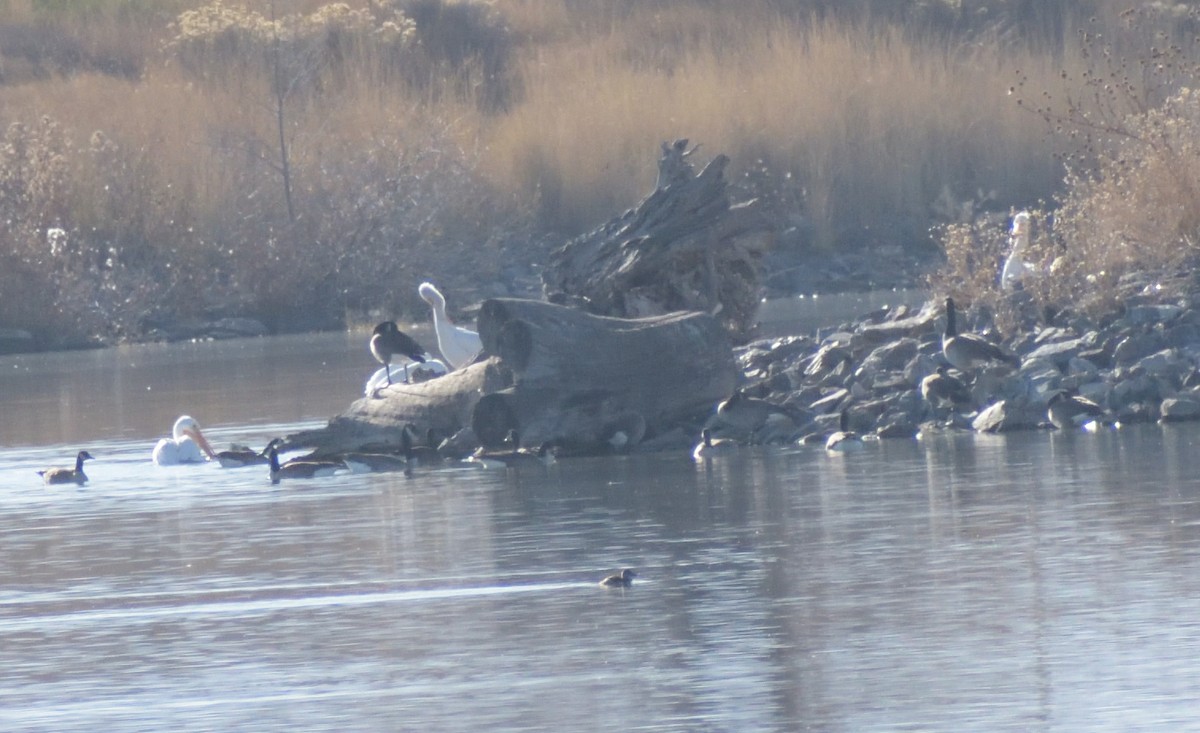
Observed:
{"x":68,"y":475}
{"x":459,"y":346}
{"x":967,"y":351}
{"x":941,"y":388}
{"x":387,"y":340}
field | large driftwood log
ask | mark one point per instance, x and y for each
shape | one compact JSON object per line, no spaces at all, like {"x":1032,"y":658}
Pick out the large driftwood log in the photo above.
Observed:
{"x":685,"y":247}
{"x":554,"y":374}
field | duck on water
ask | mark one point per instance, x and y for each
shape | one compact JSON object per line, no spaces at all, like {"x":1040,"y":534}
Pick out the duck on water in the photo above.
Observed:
{"x":68,"y":475}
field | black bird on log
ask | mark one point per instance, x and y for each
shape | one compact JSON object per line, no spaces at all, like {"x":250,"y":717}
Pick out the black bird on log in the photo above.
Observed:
{"x":387,"y":340}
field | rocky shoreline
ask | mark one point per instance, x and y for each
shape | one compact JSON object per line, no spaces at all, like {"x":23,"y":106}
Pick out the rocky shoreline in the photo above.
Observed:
{"x":1140,"y":365}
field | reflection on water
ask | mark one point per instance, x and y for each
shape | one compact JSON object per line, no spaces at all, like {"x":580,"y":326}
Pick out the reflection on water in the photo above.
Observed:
{"x":1024,"y":582}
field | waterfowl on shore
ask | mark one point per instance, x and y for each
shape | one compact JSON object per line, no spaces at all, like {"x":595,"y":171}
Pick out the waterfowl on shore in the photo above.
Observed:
{"x":845,"y":439}
{"x":387,"y":340}
{"x":710,"y":446}
{"x":186,"y":445}
{"x":966,"y":351}
{"x":1067,"y":410}
{"x":623,"y":579}
{"x":514,"y":458}
{"x":300,"y":468}
{"x":1015,"y":267}
{"x":68,"y":475}
{"x":941,"y":388}
{"x":459,"y":346}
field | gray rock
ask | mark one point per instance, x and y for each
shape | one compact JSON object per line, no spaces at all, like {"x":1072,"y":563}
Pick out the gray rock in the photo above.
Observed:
{"x":1009,"y":415}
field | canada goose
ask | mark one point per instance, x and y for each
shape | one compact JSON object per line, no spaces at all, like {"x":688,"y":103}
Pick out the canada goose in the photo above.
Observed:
{"x":623,"y":579}
{"x":300,"y":469}
{"x":844,"y":439}
{"x":387,"y":340}
{"x":710,"y":446}
{"x":941,"y":388}
{"x":968,"y":350}
{"x":184,"y":445}
{"x":68,"y":475}
{"x":514,"y":458}
{"x":459,"y":346}
{"x":1015,"y":267}
{"x":1067,"y":409}
{"x":240,"y":456}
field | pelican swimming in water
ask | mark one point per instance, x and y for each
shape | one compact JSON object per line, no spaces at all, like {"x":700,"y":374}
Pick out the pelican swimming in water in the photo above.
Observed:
{"x":967,"y":351}
{"x":1015,"y":267}
{"x":623,"y":579}
{"x":68,"y":475}
{"x":459,"y":346}
{"x":387,"y":340}
{"x":186,"y":445}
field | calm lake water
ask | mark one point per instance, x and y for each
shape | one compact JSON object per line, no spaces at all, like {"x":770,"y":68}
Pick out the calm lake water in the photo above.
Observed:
{"x":1031,"y":582}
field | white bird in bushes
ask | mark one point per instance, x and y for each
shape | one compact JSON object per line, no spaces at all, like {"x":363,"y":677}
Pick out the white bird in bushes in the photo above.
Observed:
{"x":459,"y":346}
{"x":1015,"y":267}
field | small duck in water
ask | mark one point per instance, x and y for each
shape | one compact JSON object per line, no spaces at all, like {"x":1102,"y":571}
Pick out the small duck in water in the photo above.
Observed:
{"x":68,"y":475}
{"x":623,"y":579}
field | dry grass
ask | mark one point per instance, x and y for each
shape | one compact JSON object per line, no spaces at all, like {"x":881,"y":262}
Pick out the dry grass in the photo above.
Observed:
{"x":425,"y":158}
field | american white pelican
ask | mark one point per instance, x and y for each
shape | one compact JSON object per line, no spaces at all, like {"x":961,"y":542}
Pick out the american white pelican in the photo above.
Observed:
{"x":68,"y":475}
{"x":710,"y":446}
{"x":1067,"y":410}
{"x":459,"y":346}
{"x":844,"y":439}
{"x":300,"y":468}
{"x":623,"y":579}
{"x":968,"y":350}
{"x":423,"y":372}
{"x":1015,"y":267}
{"x":184,"y":445}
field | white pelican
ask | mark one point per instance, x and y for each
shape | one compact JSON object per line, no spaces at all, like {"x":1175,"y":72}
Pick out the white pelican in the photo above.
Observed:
{"x":422,"y":372}
{"x":387,"y":340}
{"x":184,"y":445}
{"x":623,"y":579}
{"x":1015,"y":267}
{"x":967,"y":351}
{"x":68,"y":475}
{"x":459,"y":346}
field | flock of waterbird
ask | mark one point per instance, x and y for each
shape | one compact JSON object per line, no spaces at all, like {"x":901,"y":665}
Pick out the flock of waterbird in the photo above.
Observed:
{"x":459,"y":347}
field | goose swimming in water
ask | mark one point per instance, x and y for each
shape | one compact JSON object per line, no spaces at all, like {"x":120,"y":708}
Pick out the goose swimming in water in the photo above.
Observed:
{"x":1067,"y":410}
{"x":543,"y":456}
{"x":1015,"y":267}
{"x":459,"y":346}
{"x":710,"y":446}
{"x":844,"y":439}
{"x":300,"y":468}
{"x":623,"y":579}
{"x":967,"y":351}
{"x":68,"y":475}
{"x":186,"y":445}
{"x":387,"y":340}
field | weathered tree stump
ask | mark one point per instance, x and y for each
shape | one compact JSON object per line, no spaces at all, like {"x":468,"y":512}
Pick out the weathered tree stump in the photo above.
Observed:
{"x":554,"y":374}
{"x":685,"y":247}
